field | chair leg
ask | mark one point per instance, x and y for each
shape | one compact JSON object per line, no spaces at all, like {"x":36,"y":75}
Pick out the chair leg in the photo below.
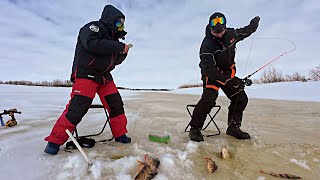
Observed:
{"x":186,"y":129}
{"x":211,"y":120}
{"x":107,"y":122}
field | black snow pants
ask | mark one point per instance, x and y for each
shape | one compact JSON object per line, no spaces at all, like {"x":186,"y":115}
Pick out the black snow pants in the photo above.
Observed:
{"x":237,"y":105}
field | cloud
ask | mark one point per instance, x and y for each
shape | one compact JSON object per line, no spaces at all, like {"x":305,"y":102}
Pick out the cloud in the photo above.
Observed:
{"x":40,"y":36}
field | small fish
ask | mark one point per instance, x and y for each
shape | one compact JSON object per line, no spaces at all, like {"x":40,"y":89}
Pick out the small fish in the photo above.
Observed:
{"x":117,"y":157}
{"x":140,"y":165}
{"x":154,"y":163}
{"x":224,"y":153}
{"x":211,"y":165}
{"x":284,"y":176}
{"x":145,"y":172}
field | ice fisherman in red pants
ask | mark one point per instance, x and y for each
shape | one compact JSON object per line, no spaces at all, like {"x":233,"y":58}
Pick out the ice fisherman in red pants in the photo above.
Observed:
{"x":98,"y":51}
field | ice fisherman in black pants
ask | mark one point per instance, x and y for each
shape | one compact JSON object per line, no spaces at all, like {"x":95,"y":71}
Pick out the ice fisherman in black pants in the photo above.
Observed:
{"x":218,"y":70}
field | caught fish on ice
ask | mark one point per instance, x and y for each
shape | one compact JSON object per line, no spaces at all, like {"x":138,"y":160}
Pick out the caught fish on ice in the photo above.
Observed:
{"x":117,"y":157}
{"x":145,"y":172}
{"x":283,"y":176}
{"x":148,"y":169}
{"x":154,"y":163}
{"x":211,"y":165}
{"x":224,"y":153}
{"x":140,"y":165}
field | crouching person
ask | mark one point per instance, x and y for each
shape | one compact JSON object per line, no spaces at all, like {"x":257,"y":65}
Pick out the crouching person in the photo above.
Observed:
{"x":98,"y":51}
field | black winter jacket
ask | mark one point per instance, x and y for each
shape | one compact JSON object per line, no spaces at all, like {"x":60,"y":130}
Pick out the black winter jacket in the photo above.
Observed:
{"x":217,"y":54}
{"x":98,"y":48}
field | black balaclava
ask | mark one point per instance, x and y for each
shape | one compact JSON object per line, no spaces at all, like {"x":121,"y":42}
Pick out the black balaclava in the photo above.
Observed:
{"x":109,"y":15}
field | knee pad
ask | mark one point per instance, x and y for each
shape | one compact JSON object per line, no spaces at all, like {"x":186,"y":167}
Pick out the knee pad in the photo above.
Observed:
{"x":78,"y":107}
{"x":115,"y":104}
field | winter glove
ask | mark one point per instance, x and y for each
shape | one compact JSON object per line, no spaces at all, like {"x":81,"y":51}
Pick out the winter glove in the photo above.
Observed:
{"x":126,"y":49}
{"x":235,"y":83}
{"x":120,"y":35}
{"x":254,"y":23}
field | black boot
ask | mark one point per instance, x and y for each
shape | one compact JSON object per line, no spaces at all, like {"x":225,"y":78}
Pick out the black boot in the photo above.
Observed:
{"x":123,"y":139}
{"x":195,"y":135}
{"x":52,"y":148}
{"x":237,"y":132}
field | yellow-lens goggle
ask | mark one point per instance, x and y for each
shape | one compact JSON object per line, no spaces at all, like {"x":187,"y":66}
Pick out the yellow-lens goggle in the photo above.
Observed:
{"x":217,"y":20}
{"x":119,"y":24}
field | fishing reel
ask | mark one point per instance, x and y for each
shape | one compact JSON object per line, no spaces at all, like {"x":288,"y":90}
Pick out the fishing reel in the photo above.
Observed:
{"x":247,"y":82}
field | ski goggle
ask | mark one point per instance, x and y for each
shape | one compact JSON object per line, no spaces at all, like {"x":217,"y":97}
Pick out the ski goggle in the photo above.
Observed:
{"x":217,"y":20}
{"x":119,"y":24}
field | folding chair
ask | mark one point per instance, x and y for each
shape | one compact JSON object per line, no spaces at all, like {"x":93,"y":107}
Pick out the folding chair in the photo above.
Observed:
{"x":211,"y":119}
{"x":96,"y":106}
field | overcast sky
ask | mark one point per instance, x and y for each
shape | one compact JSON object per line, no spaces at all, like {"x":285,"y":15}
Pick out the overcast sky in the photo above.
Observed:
{"x":38,"y":37}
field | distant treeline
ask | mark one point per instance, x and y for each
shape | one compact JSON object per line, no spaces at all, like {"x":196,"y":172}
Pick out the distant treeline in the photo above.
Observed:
{"x":67,"y":83}
{"x":55,"y":83}
{"x":268,"y":76}
{"x":273,"y":75}
{"x":144,"y":89}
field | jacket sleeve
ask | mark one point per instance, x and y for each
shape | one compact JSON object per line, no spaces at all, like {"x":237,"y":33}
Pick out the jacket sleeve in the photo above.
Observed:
{"x":120,"y":59}
{"x":94,"y":43}
{"x":208,"y":63}
{"x":242,"y":33}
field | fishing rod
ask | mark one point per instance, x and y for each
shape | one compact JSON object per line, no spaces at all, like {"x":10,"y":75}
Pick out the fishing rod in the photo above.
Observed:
{"x":247,"y":81}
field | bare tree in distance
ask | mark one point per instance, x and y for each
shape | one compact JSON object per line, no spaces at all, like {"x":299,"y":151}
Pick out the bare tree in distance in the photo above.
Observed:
{"x":315,"y":73}
{"x":296,"y":77}
{"x":271,"y":76}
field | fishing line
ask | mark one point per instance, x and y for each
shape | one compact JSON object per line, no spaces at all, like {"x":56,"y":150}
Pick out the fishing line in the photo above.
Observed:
{"x":269,"y":62}
{"x":235,"y":107}
{"x":245,"y":68}
{"x":247,"y":81}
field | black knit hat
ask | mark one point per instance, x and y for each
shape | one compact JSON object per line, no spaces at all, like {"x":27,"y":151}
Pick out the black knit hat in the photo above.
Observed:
{"x":218,"y":27}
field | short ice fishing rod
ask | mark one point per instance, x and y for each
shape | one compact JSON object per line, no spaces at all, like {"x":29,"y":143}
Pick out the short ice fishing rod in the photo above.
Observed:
{"x":247,"y":81}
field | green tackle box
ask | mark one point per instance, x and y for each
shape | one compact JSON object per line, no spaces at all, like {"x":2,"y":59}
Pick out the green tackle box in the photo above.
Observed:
{"x":159,"y":138}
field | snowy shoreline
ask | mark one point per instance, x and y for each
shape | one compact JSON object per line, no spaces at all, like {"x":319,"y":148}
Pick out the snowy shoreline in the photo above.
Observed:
{"x":290,"y":125}
{"x":290,"y":91}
